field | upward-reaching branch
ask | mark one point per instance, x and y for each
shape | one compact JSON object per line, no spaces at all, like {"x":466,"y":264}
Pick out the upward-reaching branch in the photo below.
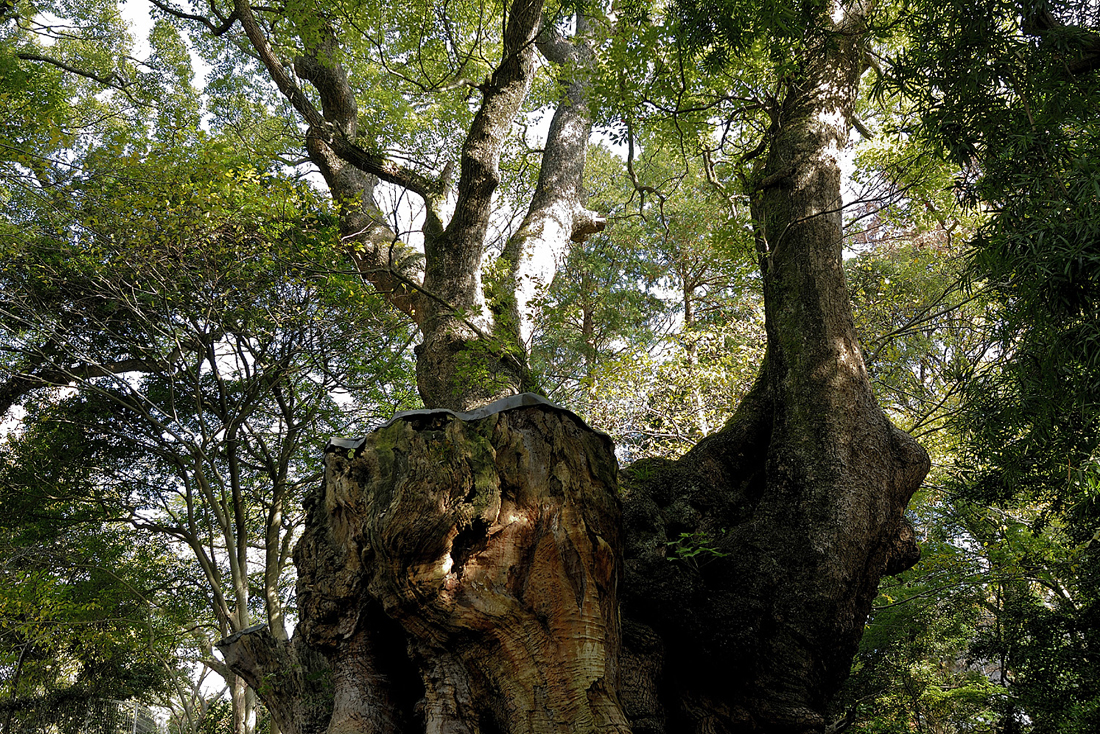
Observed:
{"x":388,"y":263}
{"x":453,"y":256}
{"x":557,"y":214}
{"x":320,"y":127}
{"x":453,"y":268}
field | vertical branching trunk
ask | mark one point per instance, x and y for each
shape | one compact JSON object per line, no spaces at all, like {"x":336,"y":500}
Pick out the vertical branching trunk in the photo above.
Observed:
{"x":472,"y":351}
{"x":461,"y":364}
{"x":460,"y":572}
{"x":556,"y":216}
{"x":802,"y":493}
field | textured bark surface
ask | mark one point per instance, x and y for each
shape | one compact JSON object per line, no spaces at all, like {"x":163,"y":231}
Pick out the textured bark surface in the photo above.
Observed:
{"x":291,"y":677}
{"x":460,"y":573}
{"x":461,"y":364}
{"x":804,"y":489}
{"x":493,"y":543}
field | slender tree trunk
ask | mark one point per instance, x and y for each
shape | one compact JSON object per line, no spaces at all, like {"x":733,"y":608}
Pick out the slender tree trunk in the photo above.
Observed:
{"x":243,"y":698}
{"x":690,"y":350}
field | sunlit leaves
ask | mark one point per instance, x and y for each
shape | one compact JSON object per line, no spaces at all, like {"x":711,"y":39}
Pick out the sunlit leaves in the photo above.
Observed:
{"x":81,"y":619}
{"x":193,"y":312}
{"x":1001,"y":90}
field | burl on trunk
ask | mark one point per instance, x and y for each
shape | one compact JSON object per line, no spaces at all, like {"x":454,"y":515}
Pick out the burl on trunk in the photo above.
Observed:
{"x":492,"y":539}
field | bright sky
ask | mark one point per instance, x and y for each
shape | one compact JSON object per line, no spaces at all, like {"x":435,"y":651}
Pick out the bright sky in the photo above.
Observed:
{"x":136,"y":13}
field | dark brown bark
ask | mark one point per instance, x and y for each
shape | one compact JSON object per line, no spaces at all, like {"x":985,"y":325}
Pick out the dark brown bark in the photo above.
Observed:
{"x":803,"y":490}
{"x":389,"y":264}
{"x":40,"y":371}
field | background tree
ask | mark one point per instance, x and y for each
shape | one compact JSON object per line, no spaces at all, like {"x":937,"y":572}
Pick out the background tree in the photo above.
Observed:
{"x":83,"y":618}
{"x":1029,"y":453}
{"x":201,"y":335}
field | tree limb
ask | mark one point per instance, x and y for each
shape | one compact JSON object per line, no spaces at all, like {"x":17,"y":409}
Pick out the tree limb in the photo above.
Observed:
{"x":114,"y":79}
{"x":21,"y":383}
{"x":321,"y":128}
{"x":223,"y":27}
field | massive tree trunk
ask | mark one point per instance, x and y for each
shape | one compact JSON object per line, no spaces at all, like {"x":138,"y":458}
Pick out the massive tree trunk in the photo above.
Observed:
{"x":491,"y":540}
{"x":461,"y":572}
{"x":804,"y":488}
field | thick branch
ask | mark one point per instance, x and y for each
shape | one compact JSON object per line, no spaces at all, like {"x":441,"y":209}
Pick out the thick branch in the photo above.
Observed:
{"x":453,"y":267}
{"x":389,"y":264}
{"x":1043,"y":24}
{"x":290,"y":677}
{"x":557,"y":215}
{"x":381,"y":257}
{"x":321,"y":128}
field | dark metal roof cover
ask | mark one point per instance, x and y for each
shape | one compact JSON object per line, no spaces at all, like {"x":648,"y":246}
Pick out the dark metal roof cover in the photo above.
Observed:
{"x":523,"y":400}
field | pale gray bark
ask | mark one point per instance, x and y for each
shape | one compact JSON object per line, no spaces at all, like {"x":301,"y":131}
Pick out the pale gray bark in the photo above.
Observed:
{"x":556,"y":216}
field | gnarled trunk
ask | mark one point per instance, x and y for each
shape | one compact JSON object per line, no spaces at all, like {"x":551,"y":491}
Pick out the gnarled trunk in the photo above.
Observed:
{"x":491,"y":539}
{"x":461,"y":572}
{"x":291,"y":678}
{"x":801,"y":496}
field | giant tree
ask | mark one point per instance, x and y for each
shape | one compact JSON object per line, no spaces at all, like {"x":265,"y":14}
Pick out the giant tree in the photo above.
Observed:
{"x":805,"y":484}
{"x":462,"y":571}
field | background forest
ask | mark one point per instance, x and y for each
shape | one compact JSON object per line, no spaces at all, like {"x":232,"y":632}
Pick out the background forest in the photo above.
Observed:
{"x":183,"y":325}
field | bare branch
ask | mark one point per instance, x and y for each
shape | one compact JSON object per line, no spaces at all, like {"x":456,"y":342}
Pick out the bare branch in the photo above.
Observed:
{"x":223,"y":26}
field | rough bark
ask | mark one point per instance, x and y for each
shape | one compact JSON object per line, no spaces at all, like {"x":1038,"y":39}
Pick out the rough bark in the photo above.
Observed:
{"x":389,"y":264}
{"x":473,"y":351}
{"x":461,"y":364}
{"x":491,"y":540}
{"x":805,"y":487}
{"x":291,"y":678}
